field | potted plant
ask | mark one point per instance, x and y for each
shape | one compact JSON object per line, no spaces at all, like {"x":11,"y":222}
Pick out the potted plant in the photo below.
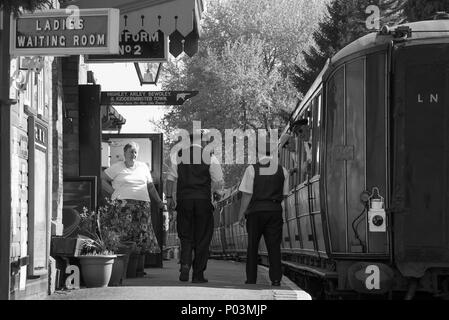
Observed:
{"x":115,"y":225}
{"x":126,"y":230}
{"x":97,"y":255}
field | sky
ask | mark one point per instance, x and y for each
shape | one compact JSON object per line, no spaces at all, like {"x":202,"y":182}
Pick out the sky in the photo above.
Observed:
{"x":123,"y":77}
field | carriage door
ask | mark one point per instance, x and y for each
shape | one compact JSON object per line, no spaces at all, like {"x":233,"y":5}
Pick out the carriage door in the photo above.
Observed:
{"x":355,"y":158}
{"x":421,"y":158}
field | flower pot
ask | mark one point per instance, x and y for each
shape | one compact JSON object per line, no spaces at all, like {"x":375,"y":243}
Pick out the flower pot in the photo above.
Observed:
{"x":96,"y":270}
{"x":140,"y":270}
{"x":126,"y":248}
{"x":131,"y":271}
{"x":117,"y":270}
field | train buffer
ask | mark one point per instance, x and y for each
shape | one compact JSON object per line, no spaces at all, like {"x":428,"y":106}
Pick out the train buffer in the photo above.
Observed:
{"x":226,"y":282}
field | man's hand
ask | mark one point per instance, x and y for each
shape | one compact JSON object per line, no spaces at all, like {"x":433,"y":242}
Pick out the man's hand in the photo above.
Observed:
{"x":242,"y":220}
{"x":171,"y":204}
{"x":161,"y":205}
{"x":172,"y":215}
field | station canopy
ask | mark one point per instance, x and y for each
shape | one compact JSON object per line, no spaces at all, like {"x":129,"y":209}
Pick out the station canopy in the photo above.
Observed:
{"x":177,"y":19}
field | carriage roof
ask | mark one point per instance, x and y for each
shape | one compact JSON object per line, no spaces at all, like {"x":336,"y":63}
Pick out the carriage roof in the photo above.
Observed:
{"x":422,"y":30}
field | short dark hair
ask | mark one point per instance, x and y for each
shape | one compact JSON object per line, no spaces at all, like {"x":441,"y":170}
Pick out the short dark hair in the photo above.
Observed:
{"x":300,"y":122}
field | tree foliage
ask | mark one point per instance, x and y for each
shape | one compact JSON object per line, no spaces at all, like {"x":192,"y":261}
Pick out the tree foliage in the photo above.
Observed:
{"x":18,"y":6}
{"x":241,"y":68}
{"x":344,"y":22}
{"x":415,"y":10}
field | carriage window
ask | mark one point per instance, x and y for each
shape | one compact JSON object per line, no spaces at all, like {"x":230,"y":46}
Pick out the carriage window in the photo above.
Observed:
{"x":282,"y":156}
{"x":293,"y":162}
{"x":306,"y":146}
{"x":288,"y":162}
{"x":316,"y":123}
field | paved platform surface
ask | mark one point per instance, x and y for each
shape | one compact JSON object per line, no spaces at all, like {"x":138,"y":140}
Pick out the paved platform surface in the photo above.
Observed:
{"x":226,"y":282}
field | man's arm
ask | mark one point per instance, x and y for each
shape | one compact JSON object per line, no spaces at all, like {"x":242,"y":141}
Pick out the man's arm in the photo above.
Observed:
{"x":172,"y":176}
{"x":216,"y":174}
{"x":246,"y":187}
{"x":246,"y":199}
{"x":171,"y":201}
{"x":169,"y":188}
{"x":286,"y":187}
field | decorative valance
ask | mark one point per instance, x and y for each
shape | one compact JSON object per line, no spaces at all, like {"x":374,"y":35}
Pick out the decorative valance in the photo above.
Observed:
{"x":177,"y":20}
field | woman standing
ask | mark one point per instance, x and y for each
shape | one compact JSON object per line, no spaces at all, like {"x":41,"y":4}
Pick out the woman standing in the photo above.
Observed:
{"x":130,"y":181}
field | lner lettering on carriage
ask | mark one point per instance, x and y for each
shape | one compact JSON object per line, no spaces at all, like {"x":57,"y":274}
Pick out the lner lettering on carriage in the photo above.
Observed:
{"x":430,"y":98}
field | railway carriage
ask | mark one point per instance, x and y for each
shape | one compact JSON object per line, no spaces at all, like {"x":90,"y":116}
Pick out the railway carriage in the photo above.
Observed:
{"x":369,"y":185}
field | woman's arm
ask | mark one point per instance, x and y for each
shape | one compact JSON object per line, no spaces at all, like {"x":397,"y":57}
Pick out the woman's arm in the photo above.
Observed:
{"x":106,"y":183}
{"x":154,"y":195}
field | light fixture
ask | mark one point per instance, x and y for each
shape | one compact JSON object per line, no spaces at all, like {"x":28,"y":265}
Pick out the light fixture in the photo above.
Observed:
{"x":376,"y":212}
{"x":148,"y":72}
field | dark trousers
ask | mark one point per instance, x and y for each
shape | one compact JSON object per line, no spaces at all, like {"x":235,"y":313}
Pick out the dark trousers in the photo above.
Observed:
{"x":195,"y":225}
{"x":268,"y":224}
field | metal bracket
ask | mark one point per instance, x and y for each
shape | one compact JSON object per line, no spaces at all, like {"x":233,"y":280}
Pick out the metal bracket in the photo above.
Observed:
{"x":21,"y":262}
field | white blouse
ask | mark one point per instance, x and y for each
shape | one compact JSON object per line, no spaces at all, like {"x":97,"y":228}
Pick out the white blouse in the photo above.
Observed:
{"x":129,"y":183}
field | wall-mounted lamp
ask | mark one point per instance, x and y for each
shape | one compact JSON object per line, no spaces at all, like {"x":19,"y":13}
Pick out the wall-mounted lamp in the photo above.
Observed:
{"x":148,"y":72}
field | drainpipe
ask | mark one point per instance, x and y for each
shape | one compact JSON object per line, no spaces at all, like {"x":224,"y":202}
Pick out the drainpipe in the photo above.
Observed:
{"x":5,"y":162}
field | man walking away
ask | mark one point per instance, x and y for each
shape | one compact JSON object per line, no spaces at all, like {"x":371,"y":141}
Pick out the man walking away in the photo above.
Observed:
{"x":195,"y":183}
{"x":262,"y":195}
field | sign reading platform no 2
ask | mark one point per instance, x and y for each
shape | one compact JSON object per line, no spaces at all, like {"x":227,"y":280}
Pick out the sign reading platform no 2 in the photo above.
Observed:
{"x":124,"y":98}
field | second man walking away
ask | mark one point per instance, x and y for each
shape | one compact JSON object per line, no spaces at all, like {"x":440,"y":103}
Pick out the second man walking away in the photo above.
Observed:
{"x":195,"y":184}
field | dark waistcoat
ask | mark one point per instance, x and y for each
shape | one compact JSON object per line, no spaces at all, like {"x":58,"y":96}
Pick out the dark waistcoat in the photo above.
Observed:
{"x":267,"y":190}
{"x":194,"y":180}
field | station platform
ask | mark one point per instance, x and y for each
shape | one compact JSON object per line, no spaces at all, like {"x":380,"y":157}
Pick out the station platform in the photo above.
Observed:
{"x":226,"y":282}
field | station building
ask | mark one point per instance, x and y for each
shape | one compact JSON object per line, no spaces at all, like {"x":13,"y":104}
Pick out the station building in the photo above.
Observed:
{"x":51,"y":124}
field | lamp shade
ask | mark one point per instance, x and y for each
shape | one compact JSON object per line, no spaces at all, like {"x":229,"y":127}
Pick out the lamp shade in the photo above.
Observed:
{"x":148,"y":72}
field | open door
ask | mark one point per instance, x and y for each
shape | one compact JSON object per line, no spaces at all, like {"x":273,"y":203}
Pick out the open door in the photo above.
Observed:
{"x":151,"y":152}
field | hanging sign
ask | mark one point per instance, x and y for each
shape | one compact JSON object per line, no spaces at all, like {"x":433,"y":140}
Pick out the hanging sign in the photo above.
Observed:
{"x":65,"y":32}
{"x":126,"y":98}
{"x":146,"y":27}
{"x":136,"y":46}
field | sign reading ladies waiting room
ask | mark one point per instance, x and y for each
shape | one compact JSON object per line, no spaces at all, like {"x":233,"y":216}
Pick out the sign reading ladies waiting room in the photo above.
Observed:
{"x":66,"y":32}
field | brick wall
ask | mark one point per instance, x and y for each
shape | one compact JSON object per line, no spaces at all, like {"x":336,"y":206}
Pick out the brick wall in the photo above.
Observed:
{"x":19,"y":192}
{"x":28,"y":187}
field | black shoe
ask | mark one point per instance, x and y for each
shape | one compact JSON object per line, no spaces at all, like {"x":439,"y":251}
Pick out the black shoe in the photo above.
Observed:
{"x":276,"y":283}
{"x":184,"y":276}
{"x":199,"y":278}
